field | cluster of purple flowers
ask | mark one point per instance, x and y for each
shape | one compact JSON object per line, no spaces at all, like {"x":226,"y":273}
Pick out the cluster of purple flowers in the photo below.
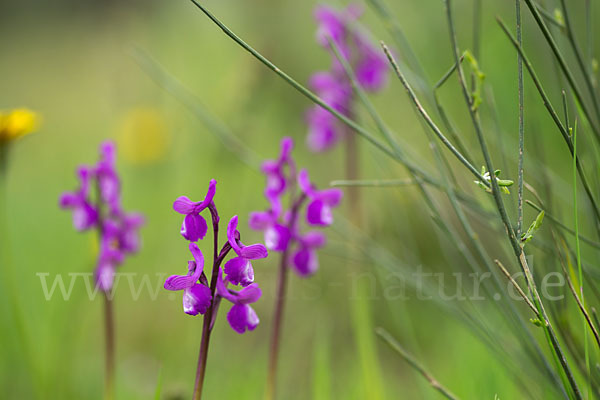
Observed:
{"x":197,"y":294}
{"x":282,"y":228}
{"x":118,"y":230}
{"x":333,"y":86}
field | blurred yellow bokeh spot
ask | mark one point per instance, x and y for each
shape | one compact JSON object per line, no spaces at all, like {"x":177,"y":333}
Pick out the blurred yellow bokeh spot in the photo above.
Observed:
{"x":144,"y":135}
{"x":17,"y":123}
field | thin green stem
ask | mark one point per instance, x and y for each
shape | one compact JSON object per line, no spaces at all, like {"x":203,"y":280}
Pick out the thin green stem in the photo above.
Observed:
{"x":174,"y":87}
{"x":374,"y":182}
{"x":549,"y":216}
{"x":563,"y":65}
{"x":521,"y":122}
{"x":428,"y":119}
{"x":578,"y":252}
{"x":555,"y":118}
{"x":518,"y":251}
{"x":549,"y":17}
{"x":393,"y":343}
{"x":444,"y":117}
{"x":316,"y":99}
{"x":585,"y":71}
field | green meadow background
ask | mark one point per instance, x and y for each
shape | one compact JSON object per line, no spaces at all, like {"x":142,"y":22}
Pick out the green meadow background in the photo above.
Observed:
{"x":73,"y":62}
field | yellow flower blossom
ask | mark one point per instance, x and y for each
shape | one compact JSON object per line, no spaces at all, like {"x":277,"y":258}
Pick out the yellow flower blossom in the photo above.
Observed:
{"x":144,"y":135}
{"x":17,"y":123}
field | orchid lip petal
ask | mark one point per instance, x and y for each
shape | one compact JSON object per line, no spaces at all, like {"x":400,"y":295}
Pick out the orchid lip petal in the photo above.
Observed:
{"x":196,"y":299}
{"x":239,"y":271}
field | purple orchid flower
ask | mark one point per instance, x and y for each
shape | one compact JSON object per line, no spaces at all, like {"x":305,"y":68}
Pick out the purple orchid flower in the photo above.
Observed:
{"x":106,"y":175}
{"x":282,"y":230}
{"x":196,"y":296}
{"x":119,"y":230}
{"x":110,"y":256}
{"x":241,"y":316}
{"x":277,"y":235}
{"x":194,"y":226}
{"x":305,"y":259}
{"x":239,"y":269}
{"x":333,"y":86}
{"x":318,"y":211}
{"x":85,"y":215}
{"x":275,"y":170}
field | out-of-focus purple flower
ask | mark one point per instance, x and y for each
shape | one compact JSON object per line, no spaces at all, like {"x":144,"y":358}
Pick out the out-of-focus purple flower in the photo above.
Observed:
{"x":106,"y":174}
{"x":274,"y":170}
{"x":239,"y":269}
{"x":277,"y":235}
{"x":371,"y":67}
{"x":196,"y":296}
{"x":305,"y":259}
{"x":129,"y":238}
{"x":241,"y":317}
{"x":333,"y":86}
{"x":118,"y":230}
{"x":194,"y":226}
{"x":318,"y":211}
{"x":282,"y":229}
{"x":110,"y":257}
{"x":85,"y":215}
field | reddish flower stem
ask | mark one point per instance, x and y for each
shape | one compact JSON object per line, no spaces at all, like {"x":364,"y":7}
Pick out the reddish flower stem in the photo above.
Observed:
{"x":279,"y":306}
{"x":210,"y":314}
{"x":109,"y":332}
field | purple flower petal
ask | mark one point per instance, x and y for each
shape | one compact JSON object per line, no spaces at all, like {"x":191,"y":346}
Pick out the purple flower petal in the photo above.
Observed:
{"x":109,"y":184}
{"x":222,"y":287}
{"x":322,"y":129}
{"x":249,"y":294}
{"x":306,"y":262}
{"x":260,"y":220}
{"x":198,"y":257}
{"x":318,"y":213}
{"x":372,"y":68}
{"x":287,"y":145}
{"x":196,"y":299}
{"x":254,"y":251}
{"x":179,"y":282}
{"x":331,"y":24}
{"x":84,"y":216}
{"x":332,"y":197}
{"x":183,"y":205}
{"x":313,"y":239}
{"x":242,"y":317}
{"x":231,"y":237}
{"x":277,"y":237}
{"x":104,"y":275}
{"x":239,"y":271}
{"x":194,"y":227}
{"x":304,"y":182}
{"x":108,"y":152}
{"x":69,"y":200}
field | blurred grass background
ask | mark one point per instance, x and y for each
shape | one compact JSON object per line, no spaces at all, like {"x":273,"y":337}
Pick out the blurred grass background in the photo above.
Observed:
{"x":71,"y":61}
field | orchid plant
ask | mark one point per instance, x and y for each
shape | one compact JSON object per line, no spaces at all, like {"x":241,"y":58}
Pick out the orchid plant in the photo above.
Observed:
{"x":96,"y":204}
{"x":203,"y":297}
{"x":283,"y":231}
